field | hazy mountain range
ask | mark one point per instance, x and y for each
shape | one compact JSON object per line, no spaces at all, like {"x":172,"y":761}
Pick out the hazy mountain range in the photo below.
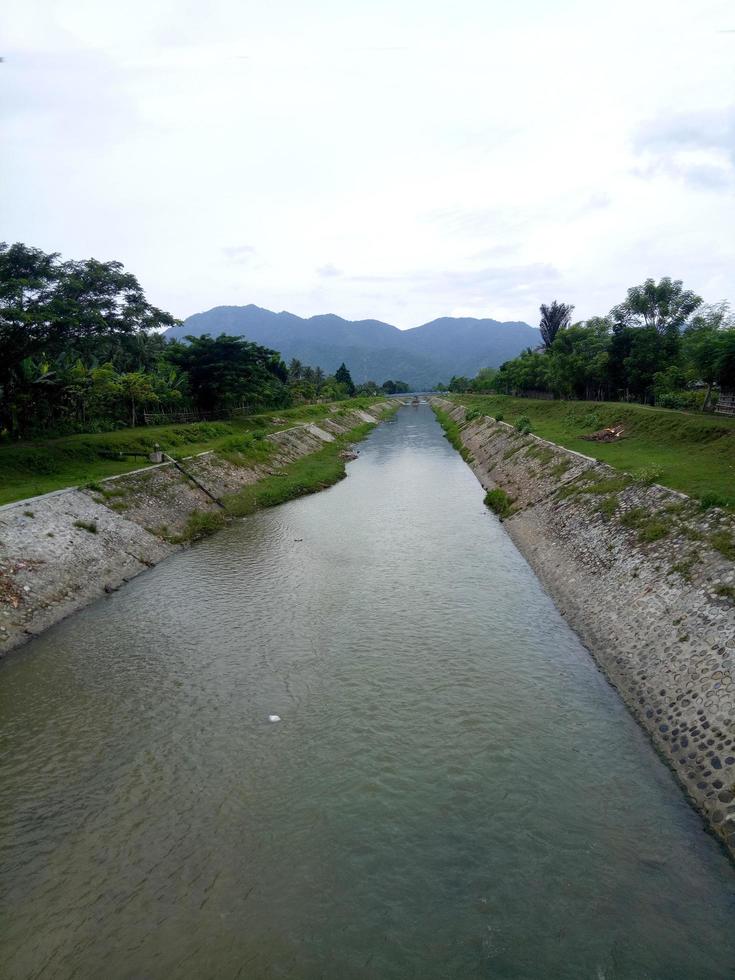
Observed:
{"x":372,"y":350}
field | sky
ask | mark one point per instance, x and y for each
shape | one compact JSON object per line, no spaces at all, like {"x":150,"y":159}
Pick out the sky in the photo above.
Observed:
{"x":398,"y":160}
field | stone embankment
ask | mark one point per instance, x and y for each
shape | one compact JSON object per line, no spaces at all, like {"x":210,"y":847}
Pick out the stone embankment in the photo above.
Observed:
{"x":62,"y":550}
{"x":647,"y":580}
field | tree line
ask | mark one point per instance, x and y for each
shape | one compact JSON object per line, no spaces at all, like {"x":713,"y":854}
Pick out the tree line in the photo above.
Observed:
{"x":81,"y":349}
{"x":662,"y":345}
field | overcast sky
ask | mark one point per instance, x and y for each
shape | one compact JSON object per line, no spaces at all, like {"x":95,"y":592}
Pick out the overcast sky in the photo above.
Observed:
{"x":396,"y":159}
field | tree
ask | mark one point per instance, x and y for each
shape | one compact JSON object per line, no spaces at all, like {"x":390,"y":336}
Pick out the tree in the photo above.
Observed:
{"x":391,"y":387}
{"x":705,"y":345}
{"x":342,"y":376}
{"x":579,"y":360}
{"x":295,"y":370}
{"x":228,"y":372}
{"x":484,"y":379}
{"x":554,"y":318}
{"x":62,"y":313}
{"x":664,"y":306}
{"x":137,"y":389}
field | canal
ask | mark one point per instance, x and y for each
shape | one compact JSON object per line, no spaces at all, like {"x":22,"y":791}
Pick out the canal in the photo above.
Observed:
{"x":452,"y":789}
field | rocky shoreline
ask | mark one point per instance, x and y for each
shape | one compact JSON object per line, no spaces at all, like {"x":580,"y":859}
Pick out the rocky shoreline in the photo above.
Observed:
{"x":647,"y":580}
{"x":63,"y":550}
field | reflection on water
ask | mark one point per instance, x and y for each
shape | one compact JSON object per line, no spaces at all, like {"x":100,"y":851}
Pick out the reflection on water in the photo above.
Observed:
{"x":452,"y":791}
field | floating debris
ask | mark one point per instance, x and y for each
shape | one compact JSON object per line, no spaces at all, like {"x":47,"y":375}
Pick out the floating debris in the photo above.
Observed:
{"x":274,"y":717}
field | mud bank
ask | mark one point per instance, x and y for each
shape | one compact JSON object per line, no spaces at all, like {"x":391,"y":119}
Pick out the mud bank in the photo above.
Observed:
{"x":647,"y":580}
{"x":63,"y":550}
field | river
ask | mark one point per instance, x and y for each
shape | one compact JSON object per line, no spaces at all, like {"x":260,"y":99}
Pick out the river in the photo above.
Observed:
{"x":453,"y":790}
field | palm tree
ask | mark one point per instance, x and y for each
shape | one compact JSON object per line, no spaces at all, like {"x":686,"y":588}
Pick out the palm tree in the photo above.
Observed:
{"x":554,"y":318}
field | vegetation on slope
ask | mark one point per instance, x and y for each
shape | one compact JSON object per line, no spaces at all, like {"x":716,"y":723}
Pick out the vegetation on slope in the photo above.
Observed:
{"x":692,"y":453}
{"x":38,"y":466}
{"x":308,"y":474}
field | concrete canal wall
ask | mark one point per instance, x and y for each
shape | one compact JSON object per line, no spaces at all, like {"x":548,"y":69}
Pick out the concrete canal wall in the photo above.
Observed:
{"x":63,"y":550}
{"x":647,"y":580}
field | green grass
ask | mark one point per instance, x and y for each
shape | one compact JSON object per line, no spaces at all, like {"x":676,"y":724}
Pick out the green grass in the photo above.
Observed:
{"x":307,"y":475}
{"x":649,"y":526}
{"x":90,"y":526}
{"x":39,"y":466}
{"x":690,"y":452}
{"x":200,"y":524}
{"x":724,"y":543}
{"x":608,"y":506}
{"x":499,"y":502}
{"x":451,"y":433}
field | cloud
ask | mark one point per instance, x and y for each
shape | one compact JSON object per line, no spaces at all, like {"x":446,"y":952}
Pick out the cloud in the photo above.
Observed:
{"x":328,"y":271}
{"x":695,"y":147}
{"x":239,"y":253}
{"x":503,"y":219}
{"x":491,"y":282}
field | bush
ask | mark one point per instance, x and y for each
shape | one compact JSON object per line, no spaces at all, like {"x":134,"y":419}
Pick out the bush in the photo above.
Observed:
{"x":683,"y":401}
{"x":708,"y":500}
{"x":647,"y":475}
{"x":499,"y":502}
{"x":499,"y":417}
{"x":201,"y":524}
{"x":592,"y":421}
{"x":90,"y":526}
{"x":523,"y":425}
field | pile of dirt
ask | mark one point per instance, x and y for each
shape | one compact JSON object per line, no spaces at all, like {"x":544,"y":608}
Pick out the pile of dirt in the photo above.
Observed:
{"x":611,"y":434}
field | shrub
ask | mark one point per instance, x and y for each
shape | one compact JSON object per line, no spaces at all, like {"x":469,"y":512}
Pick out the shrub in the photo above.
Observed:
{"x":653,"y":531}
{"x":592,"y":421}
{"x":523,"y":425}
{"x":681,"y":400}
{"x":647,"y":474}
{"x":201,"y":524}
{"x":499,"y":502}
{"x":708,"y":500}
{"x":90,"y":526}
{"x":608,"y":506}
{"x":724,"y":543}
{"x":499,"y":417}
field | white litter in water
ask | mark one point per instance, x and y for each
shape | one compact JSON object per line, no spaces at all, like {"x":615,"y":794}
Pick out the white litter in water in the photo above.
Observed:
{"x":274,"y":717}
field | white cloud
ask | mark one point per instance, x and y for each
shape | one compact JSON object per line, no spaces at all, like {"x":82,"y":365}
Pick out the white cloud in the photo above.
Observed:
{"x":396,"y":160}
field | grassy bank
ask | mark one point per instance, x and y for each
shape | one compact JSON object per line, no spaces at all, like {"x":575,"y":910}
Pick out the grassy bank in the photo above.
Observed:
{"x":452,"y":433}
{"x":42,"y":465}
{"x":688,"y":452}
{"x":306,"y":475}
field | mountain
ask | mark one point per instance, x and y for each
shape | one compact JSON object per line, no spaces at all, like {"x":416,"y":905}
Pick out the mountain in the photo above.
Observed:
{"x":371,"y":349}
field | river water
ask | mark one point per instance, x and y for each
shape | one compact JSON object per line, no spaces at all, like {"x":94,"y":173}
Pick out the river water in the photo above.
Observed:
{"x":452,"y":791}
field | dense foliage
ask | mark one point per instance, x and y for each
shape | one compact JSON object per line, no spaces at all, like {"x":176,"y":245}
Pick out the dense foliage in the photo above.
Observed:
{"x":81,"y":349}
{"x":662,"y":345}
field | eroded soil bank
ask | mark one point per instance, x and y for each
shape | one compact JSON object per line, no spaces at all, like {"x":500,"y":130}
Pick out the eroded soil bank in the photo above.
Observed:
{"x":60,"y":551}
{"x":647,"y":580}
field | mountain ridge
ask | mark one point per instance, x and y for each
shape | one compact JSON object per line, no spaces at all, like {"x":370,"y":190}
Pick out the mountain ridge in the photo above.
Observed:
{"x":372,"y":349}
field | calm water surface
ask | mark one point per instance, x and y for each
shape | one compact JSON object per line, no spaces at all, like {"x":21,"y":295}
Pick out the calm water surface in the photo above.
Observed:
{"x":453,"y":790}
